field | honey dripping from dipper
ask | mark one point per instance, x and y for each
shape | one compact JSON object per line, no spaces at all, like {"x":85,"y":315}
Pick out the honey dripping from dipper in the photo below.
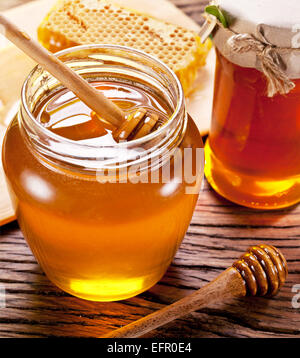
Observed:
{"x":65,"y":115}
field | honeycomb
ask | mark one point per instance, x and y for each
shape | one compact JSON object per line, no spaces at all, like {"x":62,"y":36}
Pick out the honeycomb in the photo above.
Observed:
{"x":79,"y":22}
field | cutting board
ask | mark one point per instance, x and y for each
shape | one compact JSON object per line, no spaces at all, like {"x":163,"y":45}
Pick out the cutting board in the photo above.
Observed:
{"x":15,"y":66}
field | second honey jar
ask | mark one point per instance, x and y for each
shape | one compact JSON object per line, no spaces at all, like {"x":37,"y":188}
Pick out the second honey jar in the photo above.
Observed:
{"x":253,"y":151}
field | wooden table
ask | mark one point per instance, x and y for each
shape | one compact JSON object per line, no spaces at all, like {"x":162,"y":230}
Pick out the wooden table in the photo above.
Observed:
{"x":219,"y":233}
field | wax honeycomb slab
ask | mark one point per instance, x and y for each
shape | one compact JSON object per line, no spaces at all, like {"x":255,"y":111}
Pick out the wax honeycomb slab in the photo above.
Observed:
{"x":80,"y":22}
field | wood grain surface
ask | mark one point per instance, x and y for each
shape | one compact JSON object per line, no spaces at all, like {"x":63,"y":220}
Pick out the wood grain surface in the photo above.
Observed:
{"x":219,"y":233}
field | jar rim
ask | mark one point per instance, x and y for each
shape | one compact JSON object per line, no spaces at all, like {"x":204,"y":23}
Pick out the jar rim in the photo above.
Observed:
{"x":90,"y":156}
{"x":113,"y":47}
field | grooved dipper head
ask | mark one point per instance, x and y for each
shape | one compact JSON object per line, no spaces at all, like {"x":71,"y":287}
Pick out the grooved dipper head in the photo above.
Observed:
{"x":264,"y":270}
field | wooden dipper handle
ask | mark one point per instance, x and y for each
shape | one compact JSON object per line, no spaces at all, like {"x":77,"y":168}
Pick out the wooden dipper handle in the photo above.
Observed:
{"x":261,"y":271}
{"x":83,"y":90}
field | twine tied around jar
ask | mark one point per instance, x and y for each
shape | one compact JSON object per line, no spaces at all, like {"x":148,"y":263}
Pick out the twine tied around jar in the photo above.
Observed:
{"x":278,"y":81}
{"x":272,"y":64}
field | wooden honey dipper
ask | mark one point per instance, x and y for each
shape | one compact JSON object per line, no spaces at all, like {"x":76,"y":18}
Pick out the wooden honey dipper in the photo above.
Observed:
{"x":136,"y":125}
{"x":261,"y":271}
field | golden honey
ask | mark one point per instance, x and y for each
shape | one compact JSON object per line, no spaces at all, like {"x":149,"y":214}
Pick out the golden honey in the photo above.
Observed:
{"x":253,"y":151}
{"x":100,"y":240}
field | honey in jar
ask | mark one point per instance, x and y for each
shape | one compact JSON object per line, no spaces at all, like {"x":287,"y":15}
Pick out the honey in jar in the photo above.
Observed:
{"x":101,"y":240}
{"x":253,"y":151}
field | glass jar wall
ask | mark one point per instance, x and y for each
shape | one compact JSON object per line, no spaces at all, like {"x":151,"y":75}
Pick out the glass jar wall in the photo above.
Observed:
{"x":98,"y":239}
{"x":253,"y":151}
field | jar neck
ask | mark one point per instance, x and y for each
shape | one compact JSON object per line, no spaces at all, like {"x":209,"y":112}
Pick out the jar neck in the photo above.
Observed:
{"x":112,"y":63}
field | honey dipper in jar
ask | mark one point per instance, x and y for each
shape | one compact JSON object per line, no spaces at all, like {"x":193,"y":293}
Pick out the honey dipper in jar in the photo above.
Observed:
{"x":138,"y":122}
{"x":66,"y":115}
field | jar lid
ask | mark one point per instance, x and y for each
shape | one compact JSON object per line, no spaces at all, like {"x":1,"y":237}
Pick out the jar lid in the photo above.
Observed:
{"x":257,"y":38}
{"x":283,"y":14}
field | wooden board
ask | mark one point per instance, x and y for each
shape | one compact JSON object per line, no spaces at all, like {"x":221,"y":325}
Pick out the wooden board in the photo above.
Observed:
{"x":15,"y":66}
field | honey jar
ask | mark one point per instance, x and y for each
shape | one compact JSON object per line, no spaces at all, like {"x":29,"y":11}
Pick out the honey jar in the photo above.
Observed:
{"x":103,"y":218}
{"x":253,"y":151}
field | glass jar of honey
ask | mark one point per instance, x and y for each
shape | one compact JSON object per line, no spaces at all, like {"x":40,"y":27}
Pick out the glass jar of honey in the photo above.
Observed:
{"x":253,"y":151}
{"x":103,"y":219}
